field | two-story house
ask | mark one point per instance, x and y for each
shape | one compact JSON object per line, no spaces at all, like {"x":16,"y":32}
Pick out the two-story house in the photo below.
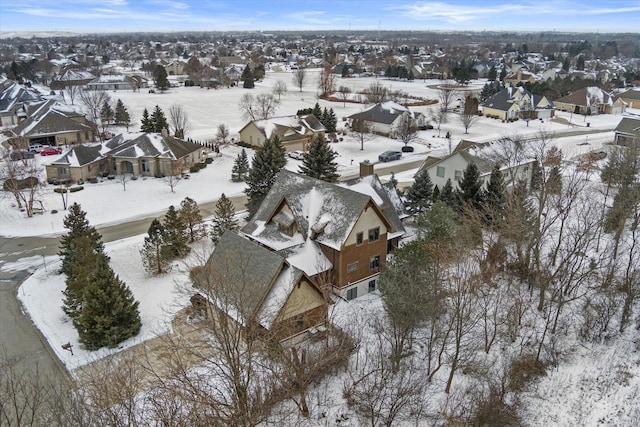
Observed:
{"x":294,"y":132}
{"x":517,"y":102}
{"x":385,"y":118}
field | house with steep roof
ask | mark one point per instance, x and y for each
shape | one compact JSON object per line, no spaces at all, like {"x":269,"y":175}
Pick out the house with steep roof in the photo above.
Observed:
{"x":71,"y":77}
{"x":294,"y":132}
{"x":260,"y":290}
{"x":338,"y":234}
{"x":517,"y":102}
{"x":386,"y":117}
{"x":78,"y":163}
{"x":113,"y":82}
{"x":631,"y":97}
{"x":520,"y":76}
{"x":589,"y":101}
{"x":485,"y":156}
{"x":53,"y":123}
{"x":14,"y":98}
{"x":628,"y":131}
{"x":151,"y":154}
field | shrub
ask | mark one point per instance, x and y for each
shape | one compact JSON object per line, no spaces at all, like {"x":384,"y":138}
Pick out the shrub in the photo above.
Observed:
{"x":60,"y":190}
{"x":53,"y":211}
{"x":194,"y":169}
{"x":495,"y":412}
{"x":76,"y":189}
{"x":524,"y":370}
{"x":194,"y":272}
{"x":407,"y":149}
{"x":208,"y":160}
{"x":244,"y":144}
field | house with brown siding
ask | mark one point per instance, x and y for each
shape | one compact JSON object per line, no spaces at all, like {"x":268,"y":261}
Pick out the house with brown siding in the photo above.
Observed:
{"x":631,"y":98}
{"x":590,"y":100}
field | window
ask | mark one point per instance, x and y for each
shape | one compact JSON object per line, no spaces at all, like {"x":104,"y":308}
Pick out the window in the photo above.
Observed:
{"x":352,"y":293}
{"x":359,"y":238}
{"x":372,"y":285}
{"x":458,"y":175}
{"x":285,"y":229}
{"x":352,"y":267}
{"x":145,"y":166}
{"x":374,"y":262}
{"x":440,"y":171}
{"x":299,"y":321}
{"x":251,"y":139}
{"x":374,"y":234}
{"x":62,"y":171}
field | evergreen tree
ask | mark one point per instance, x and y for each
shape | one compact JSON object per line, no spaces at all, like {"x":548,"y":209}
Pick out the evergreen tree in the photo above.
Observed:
{"x":503,"y":74}
{"x":109,"y":313}
{"x":248,"y":82}
{"x":436,"y":194}
{"x":160,"y":78}
{"x":155,"y":256}
{"x":319,"y":162}
{"x":447,"y":195}
{"x":536,"y":175}
{"x":470,"y":191}
{"x":78,"y":225}
{"x":267,"y":162}
{"x":223,"y":218}
{"x":492,"y":75}
{"x":190,"y":216}
{"x":122,"y":116}
{"x":240,"y":168}
{"x":495,"y":199}
{"x":420,"y":193}
{"x":410,"y":76}
{"x":317,"y":111}
{"x":159,"y":120}
{"x":81,"y":268}
{"x":176,"y":234}
{"x":324,"y":117}
{"x":147,"y":123}
{"x":554,"y":181}
{"x":331,"y":121}
{"x":106,"y":113}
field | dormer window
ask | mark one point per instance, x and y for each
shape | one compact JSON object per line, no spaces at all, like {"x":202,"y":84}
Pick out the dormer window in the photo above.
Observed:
{"x":286,"y":223}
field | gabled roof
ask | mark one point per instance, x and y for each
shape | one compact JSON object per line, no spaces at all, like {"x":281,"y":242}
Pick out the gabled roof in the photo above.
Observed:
{"x":315,"y":205}
{"x":50,"y":118}
{"x":287,"y":128}
{"x":14,"y":94}
{"x":79,"y":155}
{"x":518,"y":96}
{"x":385,"y":112}
{"x":587,"y":96}
{"x":135,"y":145}
{"x":633,"y":93}
{"x":629,"y":125}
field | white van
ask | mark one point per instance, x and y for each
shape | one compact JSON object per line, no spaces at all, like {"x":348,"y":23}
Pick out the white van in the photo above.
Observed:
{"x":37,"y":148}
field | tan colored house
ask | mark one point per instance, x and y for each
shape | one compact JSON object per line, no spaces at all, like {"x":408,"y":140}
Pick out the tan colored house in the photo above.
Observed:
{"x":520,"y":76}
{"x":628,"y":131}
{"x":517,"y":102}
{"x":386,"y":117}
{"x":294,"y":132}
{"x":79,"y":163}
{"x":259,"y":290}
{"x":152,"y":154}
{"x":338,"y":234}
{"x":52,"y":123}
{"x":590,"y":101}
{"x":631,"y":98}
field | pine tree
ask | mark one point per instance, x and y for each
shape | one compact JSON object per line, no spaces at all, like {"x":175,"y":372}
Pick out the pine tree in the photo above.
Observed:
{"x":317,"y":111}
{"x":223,"y":218}
{"x":554,"y":181}
{"x":78,"y":225}
{"x":470,"y":191}
{"x":106,"y":113}
{"x":331,"y":121}
{"x":190,"y":216}
{"x":81,"y":269}
{"x":155,"y":256}
{"x":448,"y":196}
{"x":495,"y":199}
{"x":536,"y":175}
{"x":436,"y":194}
{"x":266,"y":163}
{"x":176,"y":233}
{"x":240,"y":168}
{"x":159,"y":120}
{"x":324,"y":118}
{"x":248,"y":82}
{"x":319,"y":162}
{"x":420,"y":193}
{"x":492,"y":75}
{"x":160,"y":78}
{"x":122,"y":115}
{"x":147,"y":123}
{"x":109,"y":313}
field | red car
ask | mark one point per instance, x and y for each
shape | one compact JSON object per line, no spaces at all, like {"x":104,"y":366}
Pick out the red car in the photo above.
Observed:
{"x":51,"y":151}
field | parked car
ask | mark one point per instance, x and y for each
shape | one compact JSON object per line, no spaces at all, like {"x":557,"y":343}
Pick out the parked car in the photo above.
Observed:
{"x":20,"y":155}
{"x":298,"y":155}
{"x":51,"y":151}
{"x":388,"y":156}
{"x":36,"y":148}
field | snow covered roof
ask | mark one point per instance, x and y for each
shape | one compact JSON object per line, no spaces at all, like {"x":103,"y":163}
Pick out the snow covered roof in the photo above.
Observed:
{"x":138,"y":144}
{"x":79,"y":155}
{"x":288,"y":127}
{"x":588,"y":96}
{"x":385,"y":112}
{"x":49,"y":118}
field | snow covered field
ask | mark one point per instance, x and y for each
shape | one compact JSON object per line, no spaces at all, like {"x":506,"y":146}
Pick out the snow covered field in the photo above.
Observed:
{"x":598,"y":385}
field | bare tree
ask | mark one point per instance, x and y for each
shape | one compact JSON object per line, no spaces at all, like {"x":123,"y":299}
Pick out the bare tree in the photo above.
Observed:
{"x":326,"y":83}
{"x":280,"y":88}
{"x":376,"y":93}
{"x":178,"y":120}
{"x":344,"y":92}
{"x":222,"y":134}
{"x":93,"y":100}
{"x":469,"y":113}
{"x":174,"y":175}
{"x":248,"y":107}
{"x":72,"y":92}
{"x":447,"y":92}
{"x":362,"y":130}
{"x":265,"y":105}
{"x":407,"y":131}
{"x":123,"y":178}
{"x":21,"y":180}
{"x":299,"y":77}
{"x":439,"y":116}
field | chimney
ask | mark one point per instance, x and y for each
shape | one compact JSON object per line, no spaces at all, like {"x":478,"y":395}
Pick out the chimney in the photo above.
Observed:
{"x":366,"y":168}
{"x":165,"y":132}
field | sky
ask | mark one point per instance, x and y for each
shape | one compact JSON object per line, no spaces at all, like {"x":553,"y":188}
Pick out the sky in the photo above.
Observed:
{"x":115,"y":16}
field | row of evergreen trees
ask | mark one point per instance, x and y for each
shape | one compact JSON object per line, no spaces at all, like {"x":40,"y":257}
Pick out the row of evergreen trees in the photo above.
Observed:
{"x":120,"y":117}
{"x":154,"y":123}
{"x":100,"y":305}
{"x":326,"y":116}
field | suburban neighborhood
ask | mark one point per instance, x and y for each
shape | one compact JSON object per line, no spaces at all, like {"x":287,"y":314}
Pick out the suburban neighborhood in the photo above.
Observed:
{"x":321,"y":228}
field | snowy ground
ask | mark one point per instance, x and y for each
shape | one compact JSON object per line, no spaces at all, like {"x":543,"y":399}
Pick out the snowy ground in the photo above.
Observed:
{"x":597,"y":380}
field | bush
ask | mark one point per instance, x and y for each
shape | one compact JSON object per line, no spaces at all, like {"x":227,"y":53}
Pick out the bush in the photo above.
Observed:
{"x":195,"y":272}
{"x":524,"y":370}
{"x":76,"y":189}
{"x":53,"y":211}
{"x":60,"y":190}
{"x":208,"y":160}
{"x":495,"y":412}
{"x":407,"y":149}
{"x":244,"y":144}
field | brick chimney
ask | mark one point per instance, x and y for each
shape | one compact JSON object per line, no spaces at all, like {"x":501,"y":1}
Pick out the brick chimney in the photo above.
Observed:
{"x":366,"y":168}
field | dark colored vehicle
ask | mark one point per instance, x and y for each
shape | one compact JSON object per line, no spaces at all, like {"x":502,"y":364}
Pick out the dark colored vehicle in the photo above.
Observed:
{"x":51,"y":151}
{"x":388,"y":156}
{"x":20,"y":155}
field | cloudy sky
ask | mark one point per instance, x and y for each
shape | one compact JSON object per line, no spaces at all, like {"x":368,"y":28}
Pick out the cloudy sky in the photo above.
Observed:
{"x":269,"y":15}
